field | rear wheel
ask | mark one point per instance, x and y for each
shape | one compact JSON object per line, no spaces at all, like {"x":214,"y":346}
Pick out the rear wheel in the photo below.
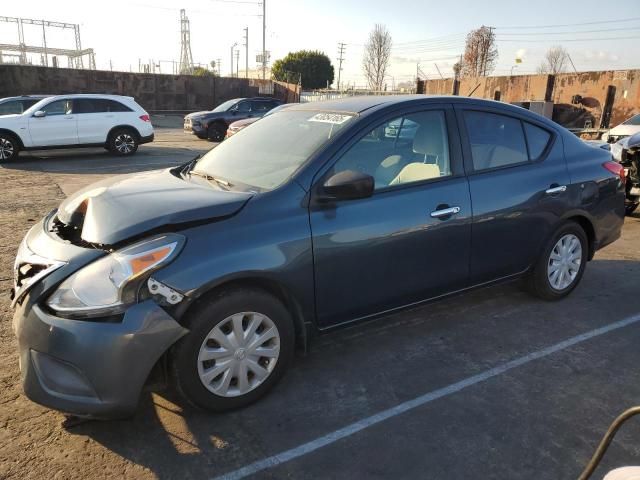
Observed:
{"x":216,"y":132}
{"x":240,"y":344}
{"x":9,"y":148}
{"x":562,"y":264}
{"x":123,"y":142}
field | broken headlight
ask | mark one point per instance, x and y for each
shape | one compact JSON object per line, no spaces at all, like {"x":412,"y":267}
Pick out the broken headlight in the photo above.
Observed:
{"x":110,"y":284}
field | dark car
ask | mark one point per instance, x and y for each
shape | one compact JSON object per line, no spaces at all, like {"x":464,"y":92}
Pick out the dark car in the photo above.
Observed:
{"x":213,"y":125}
{"x":17,"y":105}
{"x":311,"y":219}
{"x":238,"y":125}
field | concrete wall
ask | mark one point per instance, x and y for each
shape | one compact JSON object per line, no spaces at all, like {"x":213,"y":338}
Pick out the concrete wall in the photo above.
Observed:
{"x":152,"y":92}
{"x":591,"y":86}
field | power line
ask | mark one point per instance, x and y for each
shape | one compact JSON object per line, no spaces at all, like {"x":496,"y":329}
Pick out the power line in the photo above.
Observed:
{"x":567,"y":33}
{"x":566,"y":40}
{"x":570,"y":24}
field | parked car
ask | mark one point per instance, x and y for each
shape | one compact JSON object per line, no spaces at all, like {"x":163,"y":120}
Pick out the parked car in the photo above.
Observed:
{"x":311,"y":219}
{"x":65,"y":121}
{"x":17,"y":105}
{"x":213,"y":125}
{"x":401,"y":129}
{"x":625,"y":129}
{"x":238,"y":125}
{"x":599,"y":144}
{"x":627,"y":152}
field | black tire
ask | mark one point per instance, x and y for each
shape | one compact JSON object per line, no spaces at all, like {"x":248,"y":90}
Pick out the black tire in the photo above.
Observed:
{"x":9,"y":147}
{"x":216,"y":132}
{"x":629,"y":208}
{"x":201,"y":321}
{"x":123,"y":142}
{"x":538,"y":282}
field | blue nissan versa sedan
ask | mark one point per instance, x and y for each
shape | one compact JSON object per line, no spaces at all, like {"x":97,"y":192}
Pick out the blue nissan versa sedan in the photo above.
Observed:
{"x":312,"y":218}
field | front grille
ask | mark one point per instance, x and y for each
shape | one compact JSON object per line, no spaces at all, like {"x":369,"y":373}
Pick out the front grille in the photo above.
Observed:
{"x":28,"y":269}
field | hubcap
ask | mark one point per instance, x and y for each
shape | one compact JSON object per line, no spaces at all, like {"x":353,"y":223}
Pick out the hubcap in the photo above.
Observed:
{"x":564,"y":262}
{"x":124,"y":143}
{"x":238,"y":354}
{"x":6,"y":149}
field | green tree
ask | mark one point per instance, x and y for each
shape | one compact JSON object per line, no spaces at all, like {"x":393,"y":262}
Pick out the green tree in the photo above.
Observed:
{"x":315,"y":67}
{"x":202,"y":72}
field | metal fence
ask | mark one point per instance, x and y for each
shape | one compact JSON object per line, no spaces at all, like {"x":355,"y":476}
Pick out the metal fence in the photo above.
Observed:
{"x":321,"y":95}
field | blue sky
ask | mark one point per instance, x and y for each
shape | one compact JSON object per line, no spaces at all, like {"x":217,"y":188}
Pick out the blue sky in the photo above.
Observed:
{"x":424,"y":32}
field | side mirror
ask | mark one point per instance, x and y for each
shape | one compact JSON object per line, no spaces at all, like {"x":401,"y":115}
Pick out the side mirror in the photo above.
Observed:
{"x":347,"y":185}
{"x":40,"y":114}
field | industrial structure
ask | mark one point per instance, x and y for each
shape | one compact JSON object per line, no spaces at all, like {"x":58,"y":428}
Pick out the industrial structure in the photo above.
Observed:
{"x":186,"y":58}
{"x":20,"y":52}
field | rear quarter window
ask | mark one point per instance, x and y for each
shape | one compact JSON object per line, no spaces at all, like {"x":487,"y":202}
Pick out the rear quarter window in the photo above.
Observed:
{"x":537,"y":140}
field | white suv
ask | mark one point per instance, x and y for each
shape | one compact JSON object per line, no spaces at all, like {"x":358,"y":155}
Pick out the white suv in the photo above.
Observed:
{"x":117,"y":123}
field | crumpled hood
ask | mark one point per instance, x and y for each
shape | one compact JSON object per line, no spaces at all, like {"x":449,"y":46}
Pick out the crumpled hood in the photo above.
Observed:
{"x":121,"y":207}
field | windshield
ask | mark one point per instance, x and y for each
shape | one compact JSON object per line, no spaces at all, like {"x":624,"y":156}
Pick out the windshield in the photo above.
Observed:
{"x":269,"y":152}
{"x":223,"y":107}
{"x":635,"y":120}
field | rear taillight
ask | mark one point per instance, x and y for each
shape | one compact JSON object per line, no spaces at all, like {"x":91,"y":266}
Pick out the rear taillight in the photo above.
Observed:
{"x":145,"y":118}
{"x":616,"y":169}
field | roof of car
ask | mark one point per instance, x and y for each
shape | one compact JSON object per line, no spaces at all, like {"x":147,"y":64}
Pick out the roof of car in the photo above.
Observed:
{"x":24,"y":97}
{"x":359,"y":104}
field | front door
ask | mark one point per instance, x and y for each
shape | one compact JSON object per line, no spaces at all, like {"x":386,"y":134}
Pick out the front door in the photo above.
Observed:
{"x":57,"y":127}
{"x":408,"y":242}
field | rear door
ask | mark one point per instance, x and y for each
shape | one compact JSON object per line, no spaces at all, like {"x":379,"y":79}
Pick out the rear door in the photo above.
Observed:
{"x":408,"y":242}
{"x":96,"y":116}
{"x":57,"y":127}
{"x":518,"y":180}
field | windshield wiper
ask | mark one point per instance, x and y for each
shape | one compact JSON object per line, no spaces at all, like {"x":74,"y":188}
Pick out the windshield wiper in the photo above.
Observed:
{"x":210,"y":178}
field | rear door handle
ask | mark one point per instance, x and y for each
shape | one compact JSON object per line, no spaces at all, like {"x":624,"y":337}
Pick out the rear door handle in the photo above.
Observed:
{"x":445,"y":212}
{"x":556,"y":189}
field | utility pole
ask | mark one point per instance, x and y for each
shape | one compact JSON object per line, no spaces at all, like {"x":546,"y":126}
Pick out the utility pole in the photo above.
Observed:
{"x":264,"y":34}
{"x":219,"y":66}
{"x":232,"y":47}
{"x":246,"y":52}
{"x":341,"y":47}
{"x":237,"y":63}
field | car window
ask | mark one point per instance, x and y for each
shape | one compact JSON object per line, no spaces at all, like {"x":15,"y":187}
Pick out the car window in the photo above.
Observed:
{"x":98,"y":105}
{"x":243,"y":107}
{"x":402,"y":150}
{"x":261,"y":106}
{"x":537,"y":140}
{"x":29,"y":103}
{"x":496,"y":140}
{"x":58,"y":107}
{"x":11,"y":107}
{"x":635,"y":120}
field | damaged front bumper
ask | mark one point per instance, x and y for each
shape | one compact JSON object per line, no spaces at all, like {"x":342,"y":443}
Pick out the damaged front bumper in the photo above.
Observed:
{"x":95,"y":368}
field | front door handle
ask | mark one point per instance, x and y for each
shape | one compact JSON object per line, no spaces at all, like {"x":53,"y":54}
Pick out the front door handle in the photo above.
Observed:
{"x":555,"y":189}
{"x":445,"y":212}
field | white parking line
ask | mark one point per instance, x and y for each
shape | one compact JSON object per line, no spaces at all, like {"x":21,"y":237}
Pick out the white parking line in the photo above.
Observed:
{"x":333,"y":437}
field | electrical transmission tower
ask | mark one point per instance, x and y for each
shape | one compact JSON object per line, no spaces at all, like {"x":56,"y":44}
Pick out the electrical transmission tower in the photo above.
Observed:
{"x":186,"y":59}
{"x":341,"y":50}
{"x":246,"y":52}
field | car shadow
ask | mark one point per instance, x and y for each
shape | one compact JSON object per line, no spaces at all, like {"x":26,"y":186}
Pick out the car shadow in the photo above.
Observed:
{"x":358,"y":371}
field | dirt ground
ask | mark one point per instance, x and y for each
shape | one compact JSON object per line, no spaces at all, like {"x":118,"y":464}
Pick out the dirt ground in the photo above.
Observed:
{"x":540,"y":421}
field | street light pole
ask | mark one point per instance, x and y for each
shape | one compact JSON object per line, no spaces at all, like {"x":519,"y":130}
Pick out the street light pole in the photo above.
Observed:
{"x":264,"y":30}
{"x":232,"y":47}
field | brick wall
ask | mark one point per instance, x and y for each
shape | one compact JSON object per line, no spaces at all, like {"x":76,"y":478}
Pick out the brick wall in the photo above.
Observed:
{"x":152,"y":92}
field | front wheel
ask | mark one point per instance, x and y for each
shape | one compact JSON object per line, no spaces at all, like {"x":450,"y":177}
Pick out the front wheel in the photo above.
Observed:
{"x":123,"y":142}
{"x":216,"y":132}
{"x":561,"y":266}
{"x":240,"y":344}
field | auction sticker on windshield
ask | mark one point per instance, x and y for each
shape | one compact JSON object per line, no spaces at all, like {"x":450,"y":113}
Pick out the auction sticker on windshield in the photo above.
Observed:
{"x":334,"y":118}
